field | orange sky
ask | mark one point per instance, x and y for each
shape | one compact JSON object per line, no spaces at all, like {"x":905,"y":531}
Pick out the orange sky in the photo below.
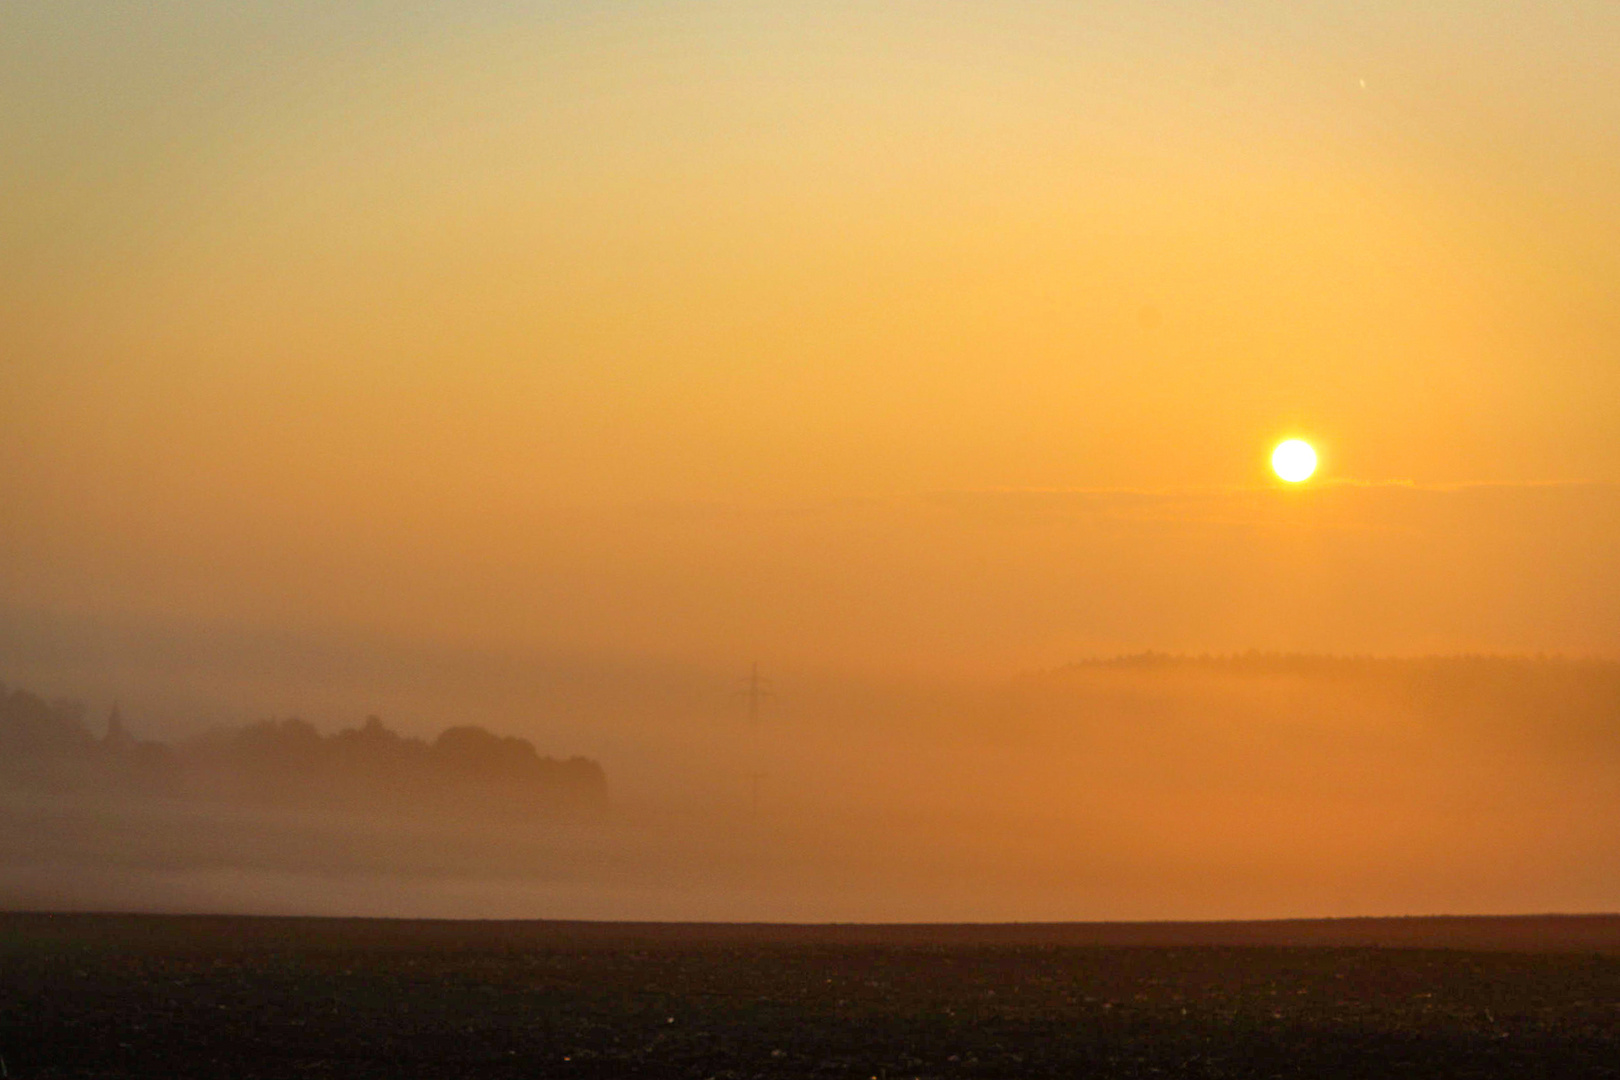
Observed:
{"x":815,"y":330}
{"x":541,"y":365}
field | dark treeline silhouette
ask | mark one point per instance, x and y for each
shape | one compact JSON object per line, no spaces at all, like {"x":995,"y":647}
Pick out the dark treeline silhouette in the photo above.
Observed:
{"x":466,"y":770}
{"x":46,"y":746}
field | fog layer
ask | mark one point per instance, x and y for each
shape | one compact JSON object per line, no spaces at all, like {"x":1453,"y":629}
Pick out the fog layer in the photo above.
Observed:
{"x":1147,"y":788}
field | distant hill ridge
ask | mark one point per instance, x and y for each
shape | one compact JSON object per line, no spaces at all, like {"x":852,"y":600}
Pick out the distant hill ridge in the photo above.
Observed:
{"x":47,"y":746}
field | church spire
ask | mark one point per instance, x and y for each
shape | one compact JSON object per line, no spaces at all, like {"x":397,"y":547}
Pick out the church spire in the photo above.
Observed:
{"x":117,"y":737}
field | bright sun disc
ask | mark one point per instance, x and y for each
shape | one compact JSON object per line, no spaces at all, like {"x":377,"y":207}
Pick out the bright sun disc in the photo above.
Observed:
{"x":1294,"y":460}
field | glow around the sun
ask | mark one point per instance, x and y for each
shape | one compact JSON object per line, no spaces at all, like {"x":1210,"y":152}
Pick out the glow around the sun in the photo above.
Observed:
{"x":1294,"y":460}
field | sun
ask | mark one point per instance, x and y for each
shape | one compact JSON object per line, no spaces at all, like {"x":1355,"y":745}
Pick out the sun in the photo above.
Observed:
{"x":1294,"y":460}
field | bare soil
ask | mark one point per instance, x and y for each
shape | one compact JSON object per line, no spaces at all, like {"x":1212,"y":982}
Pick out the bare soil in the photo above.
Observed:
{"x":178,"y":996}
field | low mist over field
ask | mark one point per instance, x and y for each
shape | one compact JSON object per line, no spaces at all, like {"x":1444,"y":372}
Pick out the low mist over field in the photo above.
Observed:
{"x":1144,"y":787}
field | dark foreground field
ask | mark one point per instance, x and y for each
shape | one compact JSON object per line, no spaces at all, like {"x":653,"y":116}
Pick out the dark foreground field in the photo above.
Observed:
{"x":150,"y":996}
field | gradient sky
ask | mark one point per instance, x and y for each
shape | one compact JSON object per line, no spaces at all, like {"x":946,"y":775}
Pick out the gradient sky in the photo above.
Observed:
{"x":910,"y":335}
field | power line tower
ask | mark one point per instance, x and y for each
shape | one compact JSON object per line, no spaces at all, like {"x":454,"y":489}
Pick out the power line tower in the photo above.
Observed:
{"x":756,"y":691}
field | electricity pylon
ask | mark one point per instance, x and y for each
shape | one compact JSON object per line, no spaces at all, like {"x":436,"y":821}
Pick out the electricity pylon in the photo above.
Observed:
{"x":756,"y":691}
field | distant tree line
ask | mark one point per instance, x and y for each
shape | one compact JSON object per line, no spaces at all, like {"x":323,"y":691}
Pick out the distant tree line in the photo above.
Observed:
{"x":1560,"y":693}
{"x":465,"y":771}
{"x":1256,"y":661}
